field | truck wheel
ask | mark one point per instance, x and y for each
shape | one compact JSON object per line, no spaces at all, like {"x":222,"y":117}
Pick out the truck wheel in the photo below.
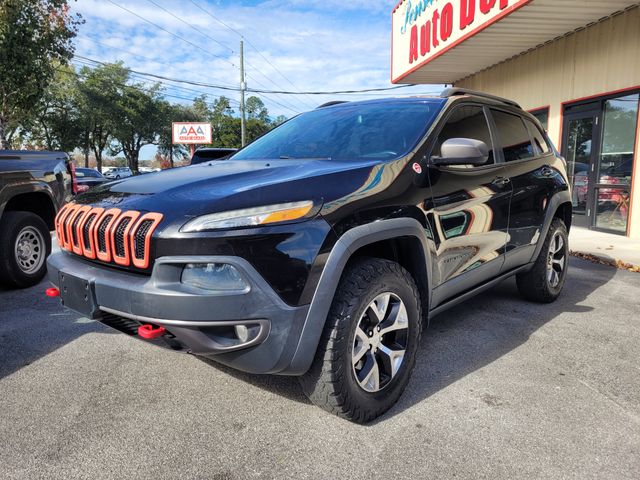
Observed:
{"x":369,"y":344}
{"x":544,"y":282}
{"x":25,"y":244}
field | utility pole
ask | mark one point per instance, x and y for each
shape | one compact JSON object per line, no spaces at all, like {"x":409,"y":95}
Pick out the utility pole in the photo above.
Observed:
{"x":243,"y":133}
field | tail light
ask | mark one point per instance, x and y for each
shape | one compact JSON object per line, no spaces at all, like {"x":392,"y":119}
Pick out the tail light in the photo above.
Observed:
{"x":71,"y":168}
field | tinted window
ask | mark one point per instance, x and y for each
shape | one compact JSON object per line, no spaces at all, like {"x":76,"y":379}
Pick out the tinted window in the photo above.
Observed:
{"x":543,"y":117}
{"x":466,"y":122}
{"x":377,"y":130}
{"x":538,"y":138}
{"x":513,"y":135}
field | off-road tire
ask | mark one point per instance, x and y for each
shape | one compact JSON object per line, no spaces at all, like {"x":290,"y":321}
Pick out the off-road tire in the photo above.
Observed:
{"x":534,"y":284}
{"x":330,"y":383}
{"x":11,"y":224}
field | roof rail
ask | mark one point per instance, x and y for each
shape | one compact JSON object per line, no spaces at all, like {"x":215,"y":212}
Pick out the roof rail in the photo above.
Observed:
{"x":455,"y":91}
{"x":333,"y":102}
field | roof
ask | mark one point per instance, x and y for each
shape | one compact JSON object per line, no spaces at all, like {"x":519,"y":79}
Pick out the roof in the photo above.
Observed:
{"x":509,"y":28}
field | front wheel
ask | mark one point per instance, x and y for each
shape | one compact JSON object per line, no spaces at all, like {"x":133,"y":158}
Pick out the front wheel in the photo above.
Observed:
{"x":25,"y":243}
{"x":369,"y":344}
{"x":544,"y":282}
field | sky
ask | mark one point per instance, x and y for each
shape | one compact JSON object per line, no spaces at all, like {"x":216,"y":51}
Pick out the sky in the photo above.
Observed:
{"x":291,"y":45}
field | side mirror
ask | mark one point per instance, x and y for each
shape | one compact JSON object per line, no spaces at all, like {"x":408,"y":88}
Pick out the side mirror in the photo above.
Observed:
{"x":462,"y":151}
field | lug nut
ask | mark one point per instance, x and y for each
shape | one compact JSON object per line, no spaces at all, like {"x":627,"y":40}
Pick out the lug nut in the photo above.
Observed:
{"x":378,"y":327}
{"x":370,"y":333}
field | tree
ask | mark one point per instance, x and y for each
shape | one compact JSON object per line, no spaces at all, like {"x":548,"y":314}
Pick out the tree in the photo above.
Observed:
{"x":256,"y":110}
{"x":35,"y":39}
{"x":57,"y":123}
{"x":279,"y":120}
{"x":140,"y":114}
{"x":98,"y":94}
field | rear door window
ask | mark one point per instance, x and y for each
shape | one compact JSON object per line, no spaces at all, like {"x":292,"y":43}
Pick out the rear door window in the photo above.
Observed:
{"x":513,"y":135}
{"x":540,"y":141}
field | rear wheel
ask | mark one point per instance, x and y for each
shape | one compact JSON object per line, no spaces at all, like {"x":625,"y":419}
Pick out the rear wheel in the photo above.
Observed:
{"x":25,"y":243}
{"x":369,"y":344}
{"x":544,"y":282}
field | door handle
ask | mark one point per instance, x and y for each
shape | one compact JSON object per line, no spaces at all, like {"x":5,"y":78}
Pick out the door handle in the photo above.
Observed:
{"x":501,"y":181}
{"x":547,"y":171}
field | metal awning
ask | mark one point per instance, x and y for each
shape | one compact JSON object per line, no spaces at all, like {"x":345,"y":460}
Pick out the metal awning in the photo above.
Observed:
{"x":532,"y":24}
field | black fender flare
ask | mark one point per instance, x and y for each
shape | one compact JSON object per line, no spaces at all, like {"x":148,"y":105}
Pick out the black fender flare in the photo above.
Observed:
{"x":344,"y":248}
{"x":559,"y":198}
{"x":37,"y":186}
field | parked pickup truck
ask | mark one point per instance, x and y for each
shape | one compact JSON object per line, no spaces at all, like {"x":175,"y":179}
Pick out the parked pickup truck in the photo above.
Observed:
{"x":33,"y":187}
{"x":322,"y":248}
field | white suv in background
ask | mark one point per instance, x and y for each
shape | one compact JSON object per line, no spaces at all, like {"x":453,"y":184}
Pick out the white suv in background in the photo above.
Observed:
{"x":118,"y":172}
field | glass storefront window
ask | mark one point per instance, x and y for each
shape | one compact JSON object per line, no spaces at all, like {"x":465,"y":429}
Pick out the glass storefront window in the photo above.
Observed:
{"x":578,"y":155}
{"x":618,"y":140}
{"x":612,"y":209}
{"x":615,"y":162}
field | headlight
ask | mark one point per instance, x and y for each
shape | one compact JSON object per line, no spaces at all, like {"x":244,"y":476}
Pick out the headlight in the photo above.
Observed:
{"x":247,"y":217}
{"x":220,"y":277}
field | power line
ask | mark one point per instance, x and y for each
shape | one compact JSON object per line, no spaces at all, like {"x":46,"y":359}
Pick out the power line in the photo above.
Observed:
{"x":167,"y":85}
{"x":254,"y":90}
{"x":169,"y":32}
{"x":138,"y":75}
{"x":210,"y":38}
{"x":248,"y":42}
{"x":193,"y":28}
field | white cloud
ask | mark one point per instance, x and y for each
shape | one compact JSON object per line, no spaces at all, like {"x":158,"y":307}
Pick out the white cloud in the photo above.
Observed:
{"x":317,"y":45}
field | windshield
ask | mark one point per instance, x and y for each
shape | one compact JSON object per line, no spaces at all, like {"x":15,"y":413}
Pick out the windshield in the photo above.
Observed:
{"x":380,"y":130}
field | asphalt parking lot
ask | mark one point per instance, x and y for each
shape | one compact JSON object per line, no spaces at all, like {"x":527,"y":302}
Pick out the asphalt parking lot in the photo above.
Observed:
{"x":502,"y":389}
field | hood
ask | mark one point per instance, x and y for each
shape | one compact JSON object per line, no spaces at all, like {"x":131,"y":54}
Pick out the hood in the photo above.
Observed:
{"x":230,"y":184}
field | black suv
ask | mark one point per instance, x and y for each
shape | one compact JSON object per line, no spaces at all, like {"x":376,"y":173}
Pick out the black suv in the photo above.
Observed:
{"x":321,"y":249}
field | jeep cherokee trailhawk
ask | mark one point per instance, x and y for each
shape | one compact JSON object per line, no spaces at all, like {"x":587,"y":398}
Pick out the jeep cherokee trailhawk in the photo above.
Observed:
{"x":322,"y":248}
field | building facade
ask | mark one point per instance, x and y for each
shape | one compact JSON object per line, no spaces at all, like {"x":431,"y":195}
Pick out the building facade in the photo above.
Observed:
{"x":575,"y":64}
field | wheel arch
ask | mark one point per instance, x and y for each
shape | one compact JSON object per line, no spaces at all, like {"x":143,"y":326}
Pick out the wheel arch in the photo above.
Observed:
{"x":38,"y":202}
{"x":378,"y":239}
{"x":559,"y":206}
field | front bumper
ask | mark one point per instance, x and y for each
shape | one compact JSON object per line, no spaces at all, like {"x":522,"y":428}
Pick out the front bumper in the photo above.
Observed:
{"x":198,"y":321}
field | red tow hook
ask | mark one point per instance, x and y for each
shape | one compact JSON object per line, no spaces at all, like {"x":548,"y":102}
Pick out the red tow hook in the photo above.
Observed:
{"x":150,"y":332}
{"x":52,"y":292}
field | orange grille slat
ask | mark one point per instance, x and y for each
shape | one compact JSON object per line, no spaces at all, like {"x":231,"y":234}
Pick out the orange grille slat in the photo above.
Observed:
{"x":76,"y":239}
{"x":143,"y":260}
{"x":107,"y":235}
{"x":119,"y":229}
{"x":68,"y":220}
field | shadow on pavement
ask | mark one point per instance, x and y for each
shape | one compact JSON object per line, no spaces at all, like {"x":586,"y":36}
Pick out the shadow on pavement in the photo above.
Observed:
{"x":33,"y":325}
{"x":468,"y":337}
{"x":458,"y":342}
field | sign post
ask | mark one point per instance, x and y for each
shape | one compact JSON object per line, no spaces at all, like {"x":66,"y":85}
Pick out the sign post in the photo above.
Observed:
{"x":192,"y":134}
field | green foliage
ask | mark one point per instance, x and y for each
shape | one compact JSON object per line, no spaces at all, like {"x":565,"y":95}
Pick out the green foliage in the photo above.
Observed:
{"x":35,"y":40}
{"x":97,"y":96}
{"x":57,"y":122}
{"x":141,"y":116}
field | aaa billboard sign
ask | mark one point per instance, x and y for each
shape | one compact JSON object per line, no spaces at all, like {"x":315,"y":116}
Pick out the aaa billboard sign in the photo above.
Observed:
{"x":191,"y":133}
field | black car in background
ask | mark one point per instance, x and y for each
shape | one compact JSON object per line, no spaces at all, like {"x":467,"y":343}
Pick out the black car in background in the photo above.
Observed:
{"x":88,"y":177}
{"x":207,"y":154}
{"x":321,"y":249}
